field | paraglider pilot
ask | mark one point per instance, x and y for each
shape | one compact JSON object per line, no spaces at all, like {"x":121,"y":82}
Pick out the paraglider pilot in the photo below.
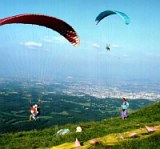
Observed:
{"x":35,"y":112}
{"x":108,"y":47}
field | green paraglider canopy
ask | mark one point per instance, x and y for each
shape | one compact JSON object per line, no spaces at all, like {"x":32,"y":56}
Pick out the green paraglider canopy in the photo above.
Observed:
{"x":111,"y":12}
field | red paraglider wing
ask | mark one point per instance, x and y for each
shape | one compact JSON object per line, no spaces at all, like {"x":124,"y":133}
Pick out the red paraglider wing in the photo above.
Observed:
{"x":43,"y":20}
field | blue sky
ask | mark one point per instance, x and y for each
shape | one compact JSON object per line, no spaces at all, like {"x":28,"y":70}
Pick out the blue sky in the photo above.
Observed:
{"x":35,"y":50}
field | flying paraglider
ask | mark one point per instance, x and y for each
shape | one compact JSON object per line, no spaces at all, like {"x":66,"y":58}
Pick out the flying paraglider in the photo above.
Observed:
{"x":47,"y":21}
{"x":111,"y":12}
{"x":107,"y":13}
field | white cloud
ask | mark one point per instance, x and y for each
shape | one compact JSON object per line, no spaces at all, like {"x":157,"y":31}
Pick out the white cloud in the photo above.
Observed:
{"x":116,"y":46}
{"x":32,"y":44}
{"x":95,"y":45}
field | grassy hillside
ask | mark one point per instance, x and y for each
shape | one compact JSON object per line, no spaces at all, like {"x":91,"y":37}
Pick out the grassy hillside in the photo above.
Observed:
{"x":149,"y":116}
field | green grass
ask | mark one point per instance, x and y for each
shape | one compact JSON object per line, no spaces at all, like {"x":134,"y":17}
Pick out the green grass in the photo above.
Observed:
{"x":45,"y":138}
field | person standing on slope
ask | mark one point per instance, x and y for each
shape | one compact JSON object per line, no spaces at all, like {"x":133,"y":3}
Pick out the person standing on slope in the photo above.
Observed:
{"x":124,"y":108}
